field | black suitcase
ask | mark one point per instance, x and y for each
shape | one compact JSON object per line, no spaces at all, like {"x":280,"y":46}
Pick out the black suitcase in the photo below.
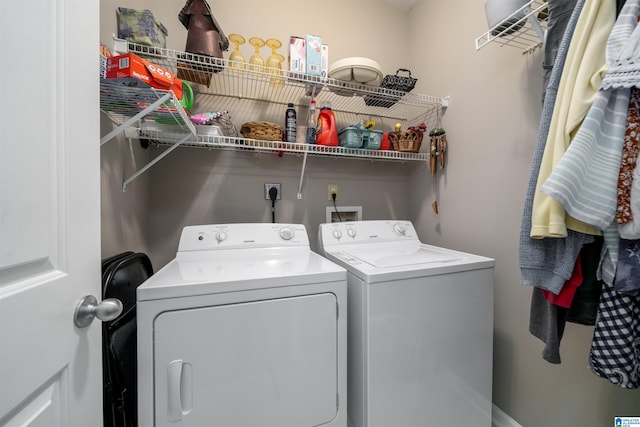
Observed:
{"x":121,"y":276}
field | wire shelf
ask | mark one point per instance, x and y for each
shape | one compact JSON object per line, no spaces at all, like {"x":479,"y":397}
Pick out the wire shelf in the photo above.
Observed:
{"x":127,"y":99}
{"x":524,"y":29}
{"x":227,"y":85}
{"x":164,"y":137}
{"x":254,"y":94}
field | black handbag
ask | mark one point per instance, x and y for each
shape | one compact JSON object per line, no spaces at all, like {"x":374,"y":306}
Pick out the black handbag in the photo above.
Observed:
{"x":121,"y":276}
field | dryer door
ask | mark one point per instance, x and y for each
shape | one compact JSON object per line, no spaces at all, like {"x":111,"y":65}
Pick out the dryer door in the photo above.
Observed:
{"x":263,"y":363}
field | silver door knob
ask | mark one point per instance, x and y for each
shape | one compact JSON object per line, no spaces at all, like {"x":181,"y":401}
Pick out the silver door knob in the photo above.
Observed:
{"x":88,"y":308}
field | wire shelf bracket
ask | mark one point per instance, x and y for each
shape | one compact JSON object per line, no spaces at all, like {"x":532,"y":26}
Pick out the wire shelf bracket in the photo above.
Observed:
{"x":128,"y":100}
{"x":524,"y":29}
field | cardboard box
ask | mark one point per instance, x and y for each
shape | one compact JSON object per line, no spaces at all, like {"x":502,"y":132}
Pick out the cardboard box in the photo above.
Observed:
{"x":297,"y":55}
{"x":324,"y":69}
{"x":187,"y":71}
{"x":131,"y":65}
{"x":314,"y":55}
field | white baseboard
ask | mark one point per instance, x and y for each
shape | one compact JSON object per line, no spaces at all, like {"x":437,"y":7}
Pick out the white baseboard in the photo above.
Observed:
{"x":500,"y":419}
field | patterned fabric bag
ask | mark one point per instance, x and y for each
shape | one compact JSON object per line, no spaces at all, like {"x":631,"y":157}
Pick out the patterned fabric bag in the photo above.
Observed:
{"x":615,"y":349}
{"x":139,"y":26}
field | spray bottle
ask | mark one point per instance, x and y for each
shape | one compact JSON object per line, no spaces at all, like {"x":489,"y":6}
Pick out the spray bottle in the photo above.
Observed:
{"x":311,"y":123}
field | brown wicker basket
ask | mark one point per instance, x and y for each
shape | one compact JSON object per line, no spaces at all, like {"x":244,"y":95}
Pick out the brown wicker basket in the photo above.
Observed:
{"x":408,"y":140}
{"x":263,"y":131}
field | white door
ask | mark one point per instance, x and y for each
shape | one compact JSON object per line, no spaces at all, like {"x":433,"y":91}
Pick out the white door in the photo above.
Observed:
{"x":268,"y":363}
{"x":50,"y":370}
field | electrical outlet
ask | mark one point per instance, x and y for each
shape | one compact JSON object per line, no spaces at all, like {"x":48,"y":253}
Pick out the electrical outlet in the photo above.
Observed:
{"x":267,"y":187}
{"x":331,"y":190}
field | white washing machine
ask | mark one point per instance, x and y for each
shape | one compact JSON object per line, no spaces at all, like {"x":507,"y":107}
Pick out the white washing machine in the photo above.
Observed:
{"x":246,"y":327}
{"x":420,"y":327}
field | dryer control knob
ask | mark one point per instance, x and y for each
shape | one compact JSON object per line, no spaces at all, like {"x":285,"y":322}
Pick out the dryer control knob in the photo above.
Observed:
{"x":221,"y":236}
{"x":337,"y":234}
{"x":399,"y":229}
{"x":351,"y":232}
{"x":287,"y":233}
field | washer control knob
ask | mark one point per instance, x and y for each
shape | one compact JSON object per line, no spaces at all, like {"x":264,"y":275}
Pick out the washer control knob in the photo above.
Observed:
{"x":351,"y":232}
{"x":399,"y":229}
{"x":221,"y":236}
{"x":337,"y":234}
{"x":287,"y":233}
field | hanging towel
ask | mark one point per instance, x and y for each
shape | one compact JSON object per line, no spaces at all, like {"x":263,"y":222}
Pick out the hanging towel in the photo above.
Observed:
{"x":548,"y":263}
{"x":585,"y":180}
{"x":582,"y":74}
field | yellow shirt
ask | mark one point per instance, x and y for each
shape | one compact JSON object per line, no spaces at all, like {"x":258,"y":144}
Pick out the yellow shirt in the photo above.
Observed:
{"x":582,"y":74}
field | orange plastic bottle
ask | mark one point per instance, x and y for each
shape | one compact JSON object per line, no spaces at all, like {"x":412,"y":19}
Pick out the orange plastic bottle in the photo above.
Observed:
{"x":326,"y":131}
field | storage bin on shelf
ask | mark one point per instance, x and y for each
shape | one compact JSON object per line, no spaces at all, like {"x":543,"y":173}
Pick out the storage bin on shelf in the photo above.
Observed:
{"x":264,"y":131}
{"x":407,"y":140}
{"x":395,"y":83}
{"x":352,"y":137}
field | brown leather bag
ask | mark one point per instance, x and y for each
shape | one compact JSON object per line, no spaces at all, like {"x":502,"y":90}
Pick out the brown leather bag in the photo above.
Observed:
{"x":204,"y":37}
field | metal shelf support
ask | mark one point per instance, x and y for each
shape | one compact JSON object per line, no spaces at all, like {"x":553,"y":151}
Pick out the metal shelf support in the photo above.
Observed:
{"x":120,"y":128}
{"x":128,"y":100}
{"x":524,"y":29}
{"x":304,"y":164}
{"x":152,"y":162}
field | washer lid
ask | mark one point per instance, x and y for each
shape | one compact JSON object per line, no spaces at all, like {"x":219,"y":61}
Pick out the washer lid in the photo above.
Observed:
{"x":382,"y":263}
{"x":405,"y":255}
{"x":394,"y":255}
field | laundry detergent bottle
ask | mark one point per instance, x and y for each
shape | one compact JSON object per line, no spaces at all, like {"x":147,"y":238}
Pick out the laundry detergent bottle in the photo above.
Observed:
{"x":326,"y":131}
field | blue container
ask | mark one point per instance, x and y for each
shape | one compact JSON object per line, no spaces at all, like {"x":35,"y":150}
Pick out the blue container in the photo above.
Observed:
{"x":352,"y":137}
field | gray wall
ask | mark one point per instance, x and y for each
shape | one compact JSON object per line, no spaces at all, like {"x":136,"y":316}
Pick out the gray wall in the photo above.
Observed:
{"x":198,"y":186}
{"x":491,"y":125}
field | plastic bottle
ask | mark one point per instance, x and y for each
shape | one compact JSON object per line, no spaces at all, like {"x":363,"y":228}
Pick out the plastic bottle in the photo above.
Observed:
{"x":326,"y":131}
{"x":311,"y":123}
{"x":290,"y":124}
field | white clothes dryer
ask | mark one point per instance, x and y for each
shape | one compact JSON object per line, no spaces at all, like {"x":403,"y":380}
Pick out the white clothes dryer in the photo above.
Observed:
{"x":420,"y":327}
{"x":246,"y":327}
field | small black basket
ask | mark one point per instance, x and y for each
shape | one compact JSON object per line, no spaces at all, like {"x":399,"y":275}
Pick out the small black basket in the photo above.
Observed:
{"x":392,"y":82}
